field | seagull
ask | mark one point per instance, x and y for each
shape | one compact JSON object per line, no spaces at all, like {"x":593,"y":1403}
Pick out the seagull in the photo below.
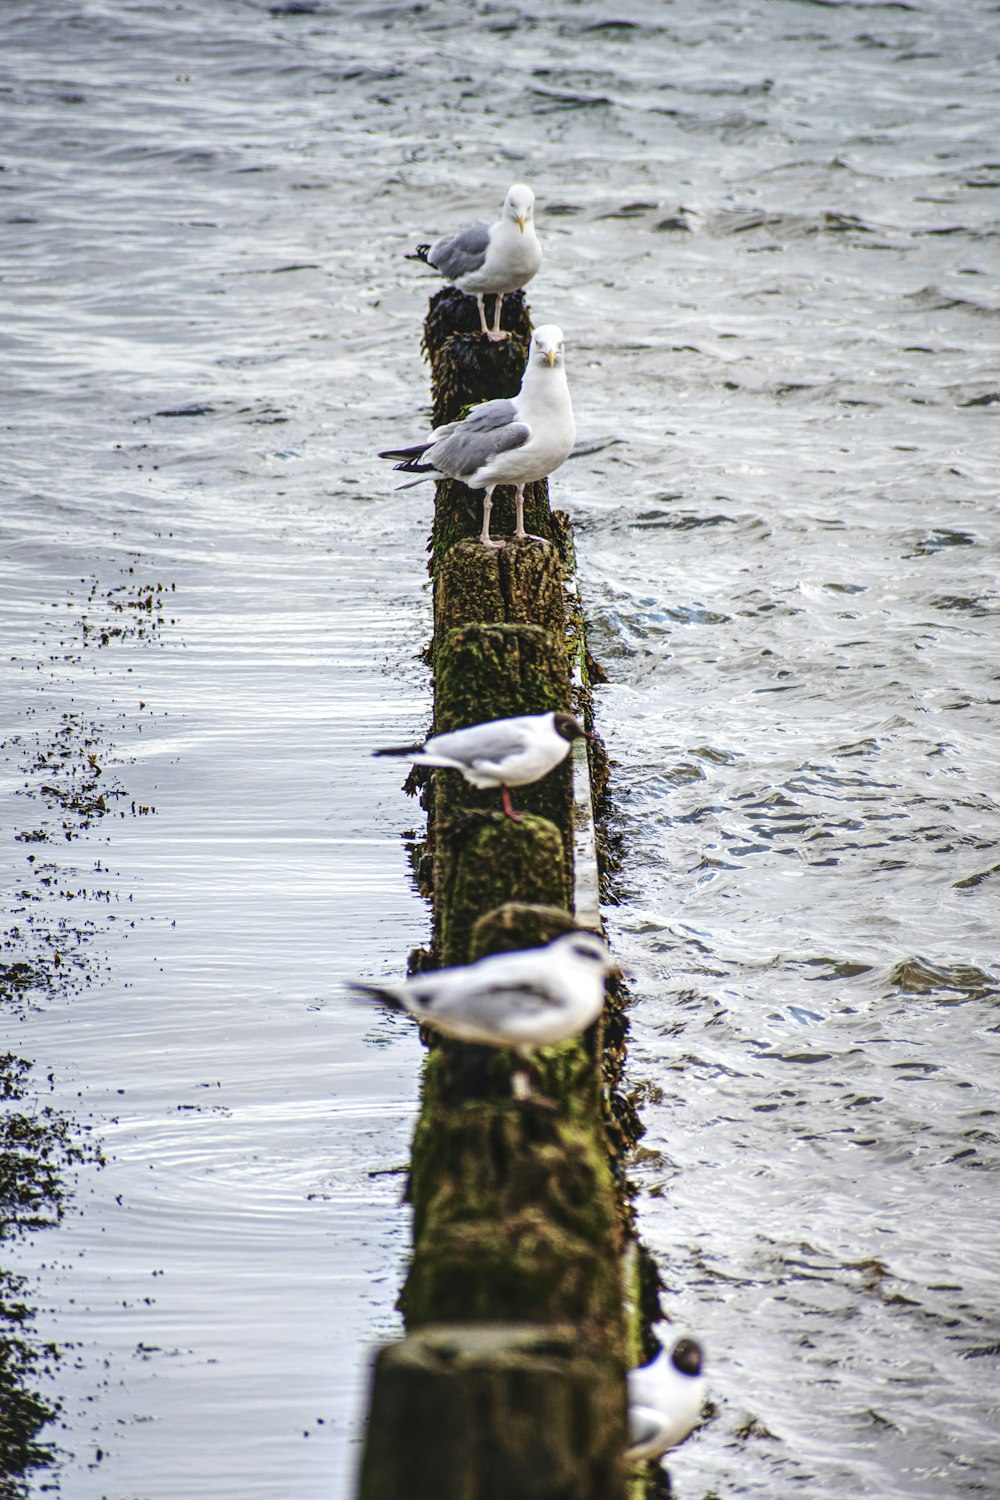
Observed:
{"x":490,"y":258}
{"x":665,"y":1399}
{"x":522,"y":1000}
{"x":501,"y":753}
{"x":504,"y":442}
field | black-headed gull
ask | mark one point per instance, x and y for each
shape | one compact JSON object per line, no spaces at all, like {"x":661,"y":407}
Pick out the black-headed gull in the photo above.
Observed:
{"x":501,"y":753}
{"x":504,"y":442}
{"x":665,"y":1400}
{"x":521,"y":1001}
{"x":490,"y":259}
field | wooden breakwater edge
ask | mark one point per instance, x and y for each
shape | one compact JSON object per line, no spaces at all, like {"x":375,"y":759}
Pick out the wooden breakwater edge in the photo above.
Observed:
{"x":527,"y":1294}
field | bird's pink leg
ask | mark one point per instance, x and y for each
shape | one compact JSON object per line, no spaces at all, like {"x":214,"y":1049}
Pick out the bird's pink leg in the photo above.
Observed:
{"x":522,"y":1090}
{"x":508,"y":806}
{"x":495,"y":333}
{"x":484,"y":327}
{"x":520,"y":535}
{"x":484,"y":535}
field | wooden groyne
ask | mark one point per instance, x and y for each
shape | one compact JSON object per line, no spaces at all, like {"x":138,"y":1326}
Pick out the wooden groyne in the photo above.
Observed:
{"x":520,"y":1298}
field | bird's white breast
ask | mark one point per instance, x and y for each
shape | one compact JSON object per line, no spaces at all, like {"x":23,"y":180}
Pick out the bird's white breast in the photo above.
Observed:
{"x":544,"y":405}
{"x":512,"y":258}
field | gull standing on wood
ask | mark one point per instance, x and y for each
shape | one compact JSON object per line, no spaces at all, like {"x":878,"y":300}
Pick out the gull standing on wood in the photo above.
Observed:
{"x":490,"y":258}
{"x":501,"y":753}
{"x":505,"y":442}
{"x":665,"y":1399}
{"x":523,"y":1000}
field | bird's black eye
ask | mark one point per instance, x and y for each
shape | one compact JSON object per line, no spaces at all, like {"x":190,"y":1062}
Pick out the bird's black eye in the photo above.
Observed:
{"x":686,"y":1357}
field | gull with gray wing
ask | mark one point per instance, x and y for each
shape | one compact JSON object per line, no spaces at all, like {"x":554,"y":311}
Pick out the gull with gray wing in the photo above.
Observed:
{"x":490,"y":258}
{"x":501,"y":753}
{"x":504,"y":442}
{"x":524,"y":1000}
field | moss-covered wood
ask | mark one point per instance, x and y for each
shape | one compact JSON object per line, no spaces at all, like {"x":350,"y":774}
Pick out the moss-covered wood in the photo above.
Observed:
{"x":511,"y":926}
{"x":483,"y":859}
{"x":443,"y":1397}
{"x":467,"y":368}
{"x":521,"y":584}
{"x":453,"y":314}
{"x":493,"y":671}
{"x":458,"y":515}
{"x":515,"y":1214}
{"x":517,"y":1211}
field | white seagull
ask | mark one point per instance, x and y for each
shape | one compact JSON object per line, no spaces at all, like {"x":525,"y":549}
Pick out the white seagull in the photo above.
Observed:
{"x":665,"y":1399}
{"x":490,"y":258}
{"x":501,"y":753}
{"x":520,"y":1001}
{"x":504,"y":442}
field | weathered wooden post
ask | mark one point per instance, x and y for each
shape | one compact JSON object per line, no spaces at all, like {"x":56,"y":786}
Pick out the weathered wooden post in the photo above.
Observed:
{"x":492,"y":1412}
{"x":510,"y":1382}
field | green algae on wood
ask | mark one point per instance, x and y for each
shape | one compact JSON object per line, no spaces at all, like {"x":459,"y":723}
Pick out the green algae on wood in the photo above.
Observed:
{"x":458,"y":515}
{"x":514,"y":925}
{"x":479,"y":861}
{"x":466,"y":367}
{"x":495,"y":671}
{"x":443,"y":1396}
{"x":488,"y":672}
{"x":452,"y":314}
{"x":515,"y":1213}
{"x":520,"y":584}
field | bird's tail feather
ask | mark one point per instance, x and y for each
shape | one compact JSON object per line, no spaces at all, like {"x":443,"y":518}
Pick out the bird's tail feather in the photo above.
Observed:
{"x":410,"y":458}
{"x":400,"y":750}
{"x":410,"y":454}
{"x":420,"y":253}
{"x":356,"y":989}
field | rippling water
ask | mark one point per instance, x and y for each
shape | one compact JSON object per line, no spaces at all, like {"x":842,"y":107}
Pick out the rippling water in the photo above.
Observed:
{"x":771,"y":238}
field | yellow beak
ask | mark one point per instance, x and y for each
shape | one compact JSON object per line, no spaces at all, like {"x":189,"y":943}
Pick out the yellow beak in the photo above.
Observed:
{"x":521,"y":220}
{"x":550,"y":356}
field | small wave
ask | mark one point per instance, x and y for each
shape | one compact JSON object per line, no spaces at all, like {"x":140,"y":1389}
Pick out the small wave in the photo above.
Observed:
{"x":940,"y":538}
{"x":682,"y":521}
{"x":971,"y":881}
{"x":952,"y":982}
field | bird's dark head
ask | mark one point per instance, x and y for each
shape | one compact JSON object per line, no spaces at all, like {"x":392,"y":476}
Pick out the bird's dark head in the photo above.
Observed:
{"x":571,"y":729}
{"x":587,"y":948}
{"x":686,"y":1357}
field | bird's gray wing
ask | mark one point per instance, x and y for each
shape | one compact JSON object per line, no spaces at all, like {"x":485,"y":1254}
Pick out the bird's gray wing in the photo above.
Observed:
{"x":488,"y":415}
{"x":489,"y":742}
{"x":488,"y":430}
{"x":492,"y":1005}
{"x":480,"y":419}
{"x":457,"y":254}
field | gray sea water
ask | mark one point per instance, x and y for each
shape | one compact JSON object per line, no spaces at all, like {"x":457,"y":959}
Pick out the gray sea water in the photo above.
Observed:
{"x":771,"y":239}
